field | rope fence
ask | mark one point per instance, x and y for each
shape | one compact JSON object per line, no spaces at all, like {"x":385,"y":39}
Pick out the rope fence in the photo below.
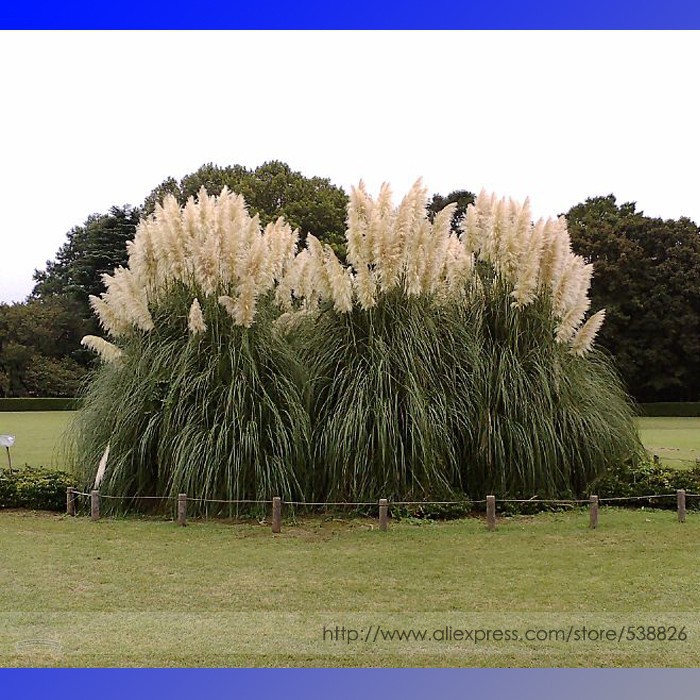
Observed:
{"x":384,"y":505}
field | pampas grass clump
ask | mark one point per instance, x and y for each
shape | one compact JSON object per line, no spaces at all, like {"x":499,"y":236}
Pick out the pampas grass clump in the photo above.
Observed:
{"x":431,"y":365}
{"x":464,"y":364}
{"x":198,"y":393}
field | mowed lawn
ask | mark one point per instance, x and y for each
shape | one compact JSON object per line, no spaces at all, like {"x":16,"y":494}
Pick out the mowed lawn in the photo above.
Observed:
{"x":37,"y":437}
{"x":331,"y":592}
{"x":675,"y":440}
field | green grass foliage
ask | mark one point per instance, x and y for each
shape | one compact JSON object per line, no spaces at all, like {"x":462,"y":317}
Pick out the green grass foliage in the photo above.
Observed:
{"x":218,"y":415}
{"x":409,"y":400}
{"x":417,"y":400}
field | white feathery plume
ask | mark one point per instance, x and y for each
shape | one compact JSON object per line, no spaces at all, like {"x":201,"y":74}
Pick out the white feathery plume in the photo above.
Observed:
{"x":515,"y":236}
{"x":128,"y":298}
{"x":438,"y":247}
{"x":206,"y":257}
{"x":143,"y":259}
{"x":105,"y":349}
{"x":249,"y":237}
{"x":214,"y":243}
{"x":316,"y":268}
{"x":242,"y":309}
{"x":246,"y":303}
{"x":459,"y":265}
{"x":365,"y":286}
{"x":101,"y":467}
{"x":572,"y":320}
{"x":415,"y":264}
{"x":566,"y":285}
{"x":258,"y":265}
{"x":281,"y":243}
{"x":470,"y":232}
{"x":289,"y":286}
{"x":329,"y":279}
{"x":536,"y":259}
{"x":479,"y":235}
{"x":584,"y":338}
{"x":301,"y":275}
{"x":555,"y":253}
{"x":107,"y":317}
{"x":229,"y":305}
{"x":172,"y":238}
{"x":381,"y":223}
{"x":576,"y":306}
{"x":233,"y":220}
{"x":340,"y":280}
{"x":195,"y":321}
{"x":496,"y":236}
{"x":190,"y":222}
{"x":402,"y":237}
{"x":528,"y":269}
{"x":358,"y":218}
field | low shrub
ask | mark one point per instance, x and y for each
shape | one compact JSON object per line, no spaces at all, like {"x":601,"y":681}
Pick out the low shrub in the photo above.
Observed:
{"x":646,"y":479}
{"x":432,"y":511}
{"x":42,"y":489}
{"x":37,"y":489}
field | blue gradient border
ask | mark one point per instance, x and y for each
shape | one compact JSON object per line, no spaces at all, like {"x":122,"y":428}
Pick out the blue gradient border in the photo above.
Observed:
{"x":350,"y":684}
{"x":358,"y":14}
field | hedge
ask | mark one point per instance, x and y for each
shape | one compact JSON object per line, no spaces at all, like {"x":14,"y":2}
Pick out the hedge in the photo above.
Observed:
{"x":34,"y":404}
{"x":676,"y":410}
{"x":42,"y":489}
{"x":37,"y":489}
{"x":629,"y":486}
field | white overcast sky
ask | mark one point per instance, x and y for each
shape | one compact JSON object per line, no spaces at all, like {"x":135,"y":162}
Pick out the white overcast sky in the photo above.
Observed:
{"x":93,"y":119}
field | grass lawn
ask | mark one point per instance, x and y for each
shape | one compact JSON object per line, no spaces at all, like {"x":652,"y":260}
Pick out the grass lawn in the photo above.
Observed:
{"x":675,"y":440}
{"x":144,"y":592}
{"x":38,"y":436}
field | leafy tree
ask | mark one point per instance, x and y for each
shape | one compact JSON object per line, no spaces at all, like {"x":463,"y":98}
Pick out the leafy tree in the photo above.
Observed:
{"x":313,"y":205}
{"x":40,"y":354}
{"x":463,"y":198}
{"x":647,"y":276}
{"x":93,"y":249}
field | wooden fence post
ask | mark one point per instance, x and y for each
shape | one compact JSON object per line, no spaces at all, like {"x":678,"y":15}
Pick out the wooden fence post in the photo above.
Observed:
{"x":276,"y":514}
{"x":95,"y":504}
{"x":383,"y":514}
{"x":491,"y":512}
{"x":182,"y":509}
{"x":70,"y":501}
{"x":594,"y":511}
{"x":680,"y":498}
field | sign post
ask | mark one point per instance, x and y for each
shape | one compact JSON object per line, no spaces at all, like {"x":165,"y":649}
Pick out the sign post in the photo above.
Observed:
{"x":7,"y":441}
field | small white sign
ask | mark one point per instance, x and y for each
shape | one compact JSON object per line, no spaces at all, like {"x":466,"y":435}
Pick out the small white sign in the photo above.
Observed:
{"x":7,"y":440}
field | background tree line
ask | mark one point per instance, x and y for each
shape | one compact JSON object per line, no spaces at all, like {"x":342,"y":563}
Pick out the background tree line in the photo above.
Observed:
{"x":647,"y":275}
